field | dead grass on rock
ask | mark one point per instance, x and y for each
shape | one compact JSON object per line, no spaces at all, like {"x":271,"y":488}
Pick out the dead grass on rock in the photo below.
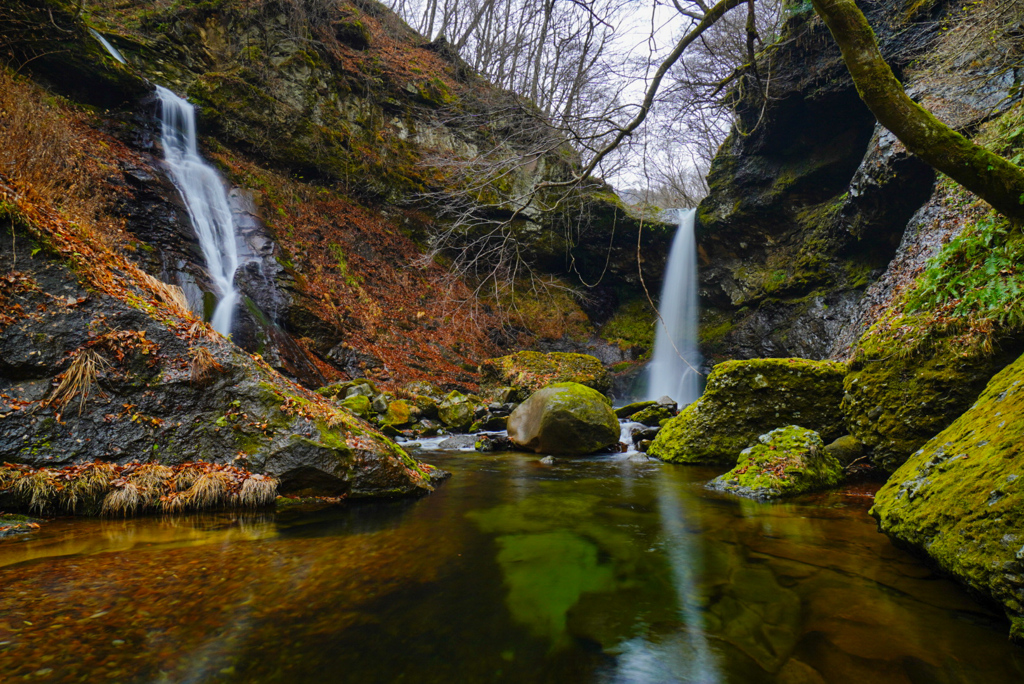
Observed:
{"x":110,"y":489}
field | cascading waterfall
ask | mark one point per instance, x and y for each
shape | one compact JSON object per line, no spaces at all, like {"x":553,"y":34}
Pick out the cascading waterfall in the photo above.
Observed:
{"x":673,"y":368}
{"x":206,"y":199}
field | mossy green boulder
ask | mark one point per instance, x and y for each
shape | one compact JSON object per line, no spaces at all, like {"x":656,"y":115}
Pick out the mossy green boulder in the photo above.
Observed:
{"x":628,"y":410}
{"x":457,"y":411}
{"x":745,"y":399}
{"x":787,"y":461}
{"x":652,"y":416}
{"x":564,"y":418}
{"x":532,"y":370}
{"x":358,"y":404}
{"x":895,"y":403}
{"x":399,"y":413}
{"x":960,"y":498}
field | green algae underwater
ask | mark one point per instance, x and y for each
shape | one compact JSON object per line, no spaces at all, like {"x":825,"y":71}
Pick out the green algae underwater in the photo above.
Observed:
{"x":588,"y":570}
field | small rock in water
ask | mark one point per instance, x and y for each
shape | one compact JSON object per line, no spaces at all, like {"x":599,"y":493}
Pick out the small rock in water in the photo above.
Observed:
{"x":667,"y":401}
{"x":643,"y":445}
{"x":547,"y":460}
{"x":639,"y":458}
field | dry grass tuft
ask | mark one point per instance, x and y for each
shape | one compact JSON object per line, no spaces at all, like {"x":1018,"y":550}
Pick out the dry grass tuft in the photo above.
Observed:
{"x":209,"y":490}
{"x":171,"y":295}
{"x":78,"y":379}
{"x":123,"y":490}
{"x":204,"y":366}
{"x":257,"y":491}
{"x":123,"y":500}
{"x":37,"y":489}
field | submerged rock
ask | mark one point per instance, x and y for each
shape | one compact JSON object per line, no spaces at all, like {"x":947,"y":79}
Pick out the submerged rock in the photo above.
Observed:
{"x":532,"y":370}
{"x":564,"y":418}
{"x":960,"y":498}
{"x":788,"y":461}
{"x":745,"y":399}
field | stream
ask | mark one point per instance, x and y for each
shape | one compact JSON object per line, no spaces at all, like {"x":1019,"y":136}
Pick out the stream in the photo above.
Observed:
{"x":598,"y":569}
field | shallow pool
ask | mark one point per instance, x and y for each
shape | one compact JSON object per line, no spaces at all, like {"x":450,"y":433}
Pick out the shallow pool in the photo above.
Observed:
{"x":595,"y":570}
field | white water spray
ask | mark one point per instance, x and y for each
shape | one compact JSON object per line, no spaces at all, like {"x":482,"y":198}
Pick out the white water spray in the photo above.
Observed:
{"x":673,"y":368}
{"x":206,"y":199}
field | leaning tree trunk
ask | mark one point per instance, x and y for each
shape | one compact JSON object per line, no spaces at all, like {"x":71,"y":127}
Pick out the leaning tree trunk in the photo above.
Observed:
{"x":984,"y":173}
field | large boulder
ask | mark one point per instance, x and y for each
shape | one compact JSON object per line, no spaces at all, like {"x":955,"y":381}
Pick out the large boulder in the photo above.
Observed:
{"x":564,"y":418}
{"x":787,"y":461}
{"x":960,"y":498}
{"x":745,"y":399}
{"x":530,"y":370}
{"x":895,"y":402}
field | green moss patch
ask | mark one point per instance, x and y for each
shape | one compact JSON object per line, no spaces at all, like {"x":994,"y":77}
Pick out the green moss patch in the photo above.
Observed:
{"x":531,"y":370}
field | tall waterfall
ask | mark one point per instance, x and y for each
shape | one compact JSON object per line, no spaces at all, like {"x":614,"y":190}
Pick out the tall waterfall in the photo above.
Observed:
{"x":206,"y":199}
{"x":673,"y":368}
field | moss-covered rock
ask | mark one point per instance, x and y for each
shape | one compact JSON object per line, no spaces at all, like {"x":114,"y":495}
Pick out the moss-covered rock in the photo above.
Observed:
{"x":532,"y":370}
{"x":960,"y":498}
{"x":846,"y":449}
{"x":652,"y":416}
{"x":343,"y":390}
{"x":744,"y":399}
{"x":457,"y":411}
{"x":358,"y":404}
{"x":787,"y":461}
{"x":564,"y":418}
{"x":896,"y":400}
{"x":628,"y":410}
{"x":399,"y":413}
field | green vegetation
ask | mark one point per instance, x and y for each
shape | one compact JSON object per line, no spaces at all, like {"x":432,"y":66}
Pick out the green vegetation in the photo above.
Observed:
{"x":633,"y":325}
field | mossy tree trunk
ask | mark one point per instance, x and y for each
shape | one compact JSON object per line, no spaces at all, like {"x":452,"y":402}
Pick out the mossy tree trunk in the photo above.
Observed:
{"x":984,"y":173}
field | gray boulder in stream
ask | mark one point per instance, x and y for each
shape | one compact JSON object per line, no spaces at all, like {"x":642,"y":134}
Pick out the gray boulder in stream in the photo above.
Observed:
{"x":564,"y":418}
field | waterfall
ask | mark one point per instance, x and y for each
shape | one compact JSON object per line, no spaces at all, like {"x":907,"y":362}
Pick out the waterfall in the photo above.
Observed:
{"x":108,"y":47}
{"x":673,"y":368}
{"x":206,"y":199}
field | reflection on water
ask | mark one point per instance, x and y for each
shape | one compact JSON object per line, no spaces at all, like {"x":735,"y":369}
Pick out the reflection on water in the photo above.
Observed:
{"x":596,"y":570}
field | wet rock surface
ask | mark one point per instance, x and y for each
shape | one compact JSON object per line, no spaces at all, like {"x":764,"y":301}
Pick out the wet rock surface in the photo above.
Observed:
{"x":147,"y":397}
{"x":960,"y":498}
{"x":564,"y":418}
{"x":745,"y":399}
{"x":787,"y":461}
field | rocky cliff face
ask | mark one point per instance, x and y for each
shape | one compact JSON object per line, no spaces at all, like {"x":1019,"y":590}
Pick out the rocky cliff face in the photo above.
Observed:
{"x":810,"y":199}
{"x":346,"y":139}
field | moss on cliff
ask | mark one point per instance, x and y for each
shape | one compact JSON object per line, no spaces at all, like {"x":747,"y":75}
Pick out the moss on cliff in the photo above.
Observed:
{"x":960,"y":498}
{"x":745,"y":399}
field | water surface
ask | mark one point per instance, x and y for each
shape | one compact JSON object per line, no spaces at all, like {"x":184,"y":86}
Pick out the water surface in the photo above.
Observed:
{"x":598,"y":570}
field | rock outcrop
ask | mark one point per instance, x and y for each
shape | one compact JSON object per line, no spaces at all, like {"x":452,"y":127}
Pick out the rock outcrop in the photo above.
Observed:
{"x":99,"y":362}
{"x":564,"y":418}
{"x":745,"y":399}
{"x":960,"y":498}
